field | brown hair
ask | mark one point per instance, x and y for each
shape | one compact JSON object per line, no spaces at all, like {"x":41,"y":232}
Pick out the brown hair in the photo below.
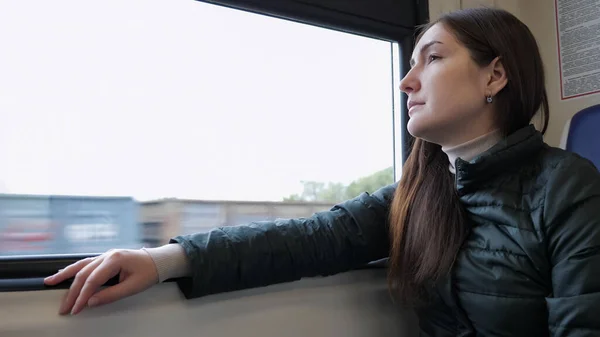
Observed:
{"x":427,"y":220}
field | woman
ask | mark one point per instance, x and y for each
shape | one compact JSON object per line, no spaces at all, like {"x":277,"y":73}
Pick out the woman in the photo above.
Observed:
{"x":489,"y":232}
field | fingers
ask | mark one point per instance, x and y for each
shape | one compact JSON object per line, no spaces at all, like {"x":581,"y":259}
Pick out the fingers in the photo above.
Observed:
{"x":127,"y":288}
{"x":67,"y":273}
{"x":109,"y":268}
{"x":136,"y":271}
{"x":78,"y":283}
{"x":133,"y":277}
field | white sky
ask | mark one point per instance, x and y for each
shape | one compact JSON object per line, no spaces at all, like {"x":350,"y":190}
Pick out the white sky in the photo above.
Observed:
{"x":177,"y":98}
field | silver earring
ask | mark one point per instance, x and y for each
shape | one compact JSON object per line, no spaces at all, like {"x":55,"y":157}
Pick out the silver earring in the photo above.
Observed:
{"x":489,"y":99}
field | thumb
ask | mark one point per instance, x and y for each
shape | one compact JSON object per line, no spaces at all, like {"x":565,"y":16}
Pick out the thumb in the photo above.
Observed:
{"x":128,"y":287}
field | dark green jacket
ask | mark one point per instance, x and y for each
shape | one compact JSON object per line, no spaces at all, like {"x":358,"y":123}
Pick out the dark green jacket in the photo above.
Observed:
{"x":530,"y":267}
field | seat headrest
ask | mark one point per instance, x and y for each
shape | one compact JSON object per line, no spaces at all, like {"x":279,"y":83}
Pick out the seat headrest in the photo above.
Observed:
{"x":584,"y":134}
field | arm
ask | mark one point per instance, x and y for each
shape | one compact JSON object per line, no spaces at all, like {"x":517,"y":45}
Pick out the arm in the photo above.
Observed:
{"x":572,"y":226}
{"x":230,"y":258}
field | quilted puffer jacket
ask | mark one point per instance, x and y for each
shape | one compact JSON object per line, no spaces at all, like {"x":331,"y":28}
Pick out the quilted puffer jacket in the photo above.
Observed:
{"x":530,"y":266}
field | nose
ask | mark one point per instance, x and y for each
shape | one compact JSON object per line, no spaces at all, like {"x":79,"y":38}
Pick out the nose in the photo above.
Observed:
{"x":410,"y":82}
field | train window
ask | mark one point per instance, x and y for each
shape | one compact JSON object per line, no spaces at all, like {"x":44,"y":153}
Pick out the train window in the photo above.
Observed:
{"x":124,"y":123}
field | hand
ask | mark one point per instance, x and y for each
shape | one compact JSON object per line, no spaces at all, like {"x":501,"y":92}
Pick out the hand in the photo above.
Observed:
{"x":135,"y":268}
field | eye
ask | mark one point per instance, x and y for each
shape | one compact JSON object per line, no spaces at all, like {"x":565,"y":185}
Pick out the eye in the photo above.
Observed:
{"x":432,"y":58}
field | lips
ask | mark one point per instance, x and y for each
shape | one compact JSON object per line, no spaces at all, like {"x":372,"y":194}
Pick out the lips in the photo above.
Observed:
{"x":411,"y":105}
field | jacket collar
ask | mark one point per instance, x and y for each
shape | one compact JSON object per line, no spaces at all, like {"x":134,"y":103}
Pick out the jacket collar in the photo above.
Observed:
{"x":509,"y":152}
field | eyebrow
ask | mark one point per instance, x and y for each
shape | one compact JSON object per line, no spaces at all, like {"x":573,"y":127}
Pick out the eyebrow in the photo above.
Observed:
{"x":423,"y":49}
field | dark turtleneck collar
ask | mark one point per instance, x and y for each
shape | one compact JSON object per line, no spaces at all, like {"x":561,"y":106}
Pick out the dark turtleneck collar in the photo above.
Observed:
{"x":508,"y":152}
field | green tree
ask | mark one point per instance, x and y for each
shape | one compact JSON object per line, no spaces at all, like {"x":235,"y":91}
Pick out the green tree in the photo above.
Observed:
{"x":370,"y":183}
{"x":314,"y":191}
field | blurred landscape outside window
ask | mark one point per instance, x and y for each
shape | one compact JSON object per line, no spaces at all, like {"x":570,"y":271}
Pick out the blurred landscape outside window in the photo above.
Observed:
{"x":126,"y":122}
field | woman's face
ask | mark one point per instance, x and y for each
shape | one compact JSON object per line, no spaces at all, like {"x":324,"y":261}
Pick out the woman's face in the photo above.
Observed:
{"x":446,"y":91}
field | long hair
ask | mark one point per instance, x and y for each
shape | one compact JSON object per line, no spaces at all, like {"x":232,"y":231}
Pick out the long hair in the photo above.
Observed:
{"x":428,"y":224}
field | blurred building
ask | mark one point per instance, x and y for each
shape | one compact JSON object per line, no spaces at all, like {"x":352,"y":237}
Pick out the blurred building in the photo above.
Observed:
{"x":50,"y":224}
{"x":164,"y":219}
{"x":40,"y":224}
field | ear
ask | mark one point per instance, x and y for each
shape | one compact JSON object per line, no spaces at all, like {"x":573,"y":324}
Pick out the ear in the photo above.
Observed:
{"x":496,"y":77}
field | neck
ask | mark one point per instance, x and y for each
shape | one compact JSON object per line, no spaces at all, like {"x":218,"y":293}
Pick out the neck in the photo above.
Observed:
{"x":471,"y":149}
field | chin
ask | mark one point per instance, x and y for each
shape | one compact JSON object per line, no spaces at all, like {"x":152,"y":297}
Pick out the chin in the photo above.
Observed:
{"x":419,"y":128}
{"x":416,"y":127}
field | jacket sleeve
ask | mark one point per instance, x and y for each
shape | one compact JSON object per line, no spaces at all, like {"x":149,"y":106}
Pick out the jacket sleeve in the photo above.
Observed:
{"x":572,"y":227}
{"x":351,"y":234}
